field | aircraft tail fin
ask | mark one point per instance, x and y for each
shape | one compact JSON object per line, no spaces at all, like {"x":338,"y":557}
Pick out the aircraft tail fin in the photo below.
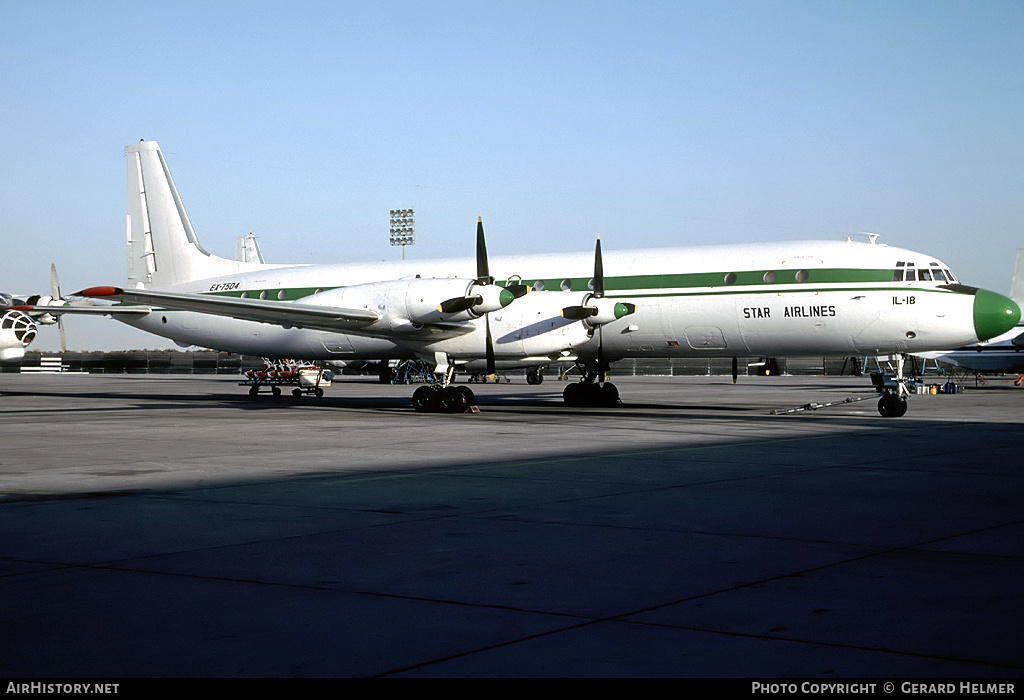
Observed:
{"x":1017,"y":285}
{"x":163,"y":249}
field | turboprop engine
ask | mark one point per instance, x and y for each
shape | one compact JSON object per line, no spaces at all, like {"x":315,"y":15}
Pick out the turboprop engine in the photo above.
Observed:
{"x":17,"y":330}
{"x":420,"y":301}
{"x":596,"y":310}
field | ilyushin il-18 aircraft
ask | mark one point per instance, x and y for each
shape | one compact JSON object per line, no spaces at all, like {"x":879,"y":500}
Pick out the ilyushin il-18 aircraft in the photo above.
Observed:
{"x":817,"y":298}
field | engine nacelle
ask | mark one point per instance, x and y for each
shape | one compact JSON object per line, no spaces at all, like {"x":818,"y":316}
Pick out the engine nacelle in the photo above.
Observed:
{"x":419,"y":301}
{"x":596,"y":311}
{"x":608,"y":310}
{"x":17,"y":331}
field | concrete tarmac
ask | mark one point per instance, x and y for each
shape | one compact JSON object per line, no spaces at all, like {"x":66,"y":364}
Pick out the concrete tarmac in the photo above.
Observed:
{"x":170,"y":526}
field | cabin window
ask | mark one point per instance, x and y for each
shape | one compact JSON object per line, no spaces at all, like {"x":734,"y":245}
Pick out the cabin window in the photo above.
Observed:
{"x":769,"y":277}
{"x":566,"y":285}
{"x":730,"y":278}
{"x":802,"y":275}
{"x":263,"y":295}
{"x":281,"y":295}
{"x":590,"y":284}
{"x":538,"y":286}
{"x":245,"y":295}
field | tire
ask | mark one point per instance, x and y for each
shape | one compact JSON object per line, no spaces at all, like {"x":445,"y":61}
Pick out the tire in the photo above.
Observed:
{"x":892,"y":406}
{"x":318,"y":392}
{"x":573,"y":394}
{"x":607,"y":395}
{"x":451,"y":400}
{"x":296,"y":393}
{"x":468,"y":393}
{"x":424,"y":399}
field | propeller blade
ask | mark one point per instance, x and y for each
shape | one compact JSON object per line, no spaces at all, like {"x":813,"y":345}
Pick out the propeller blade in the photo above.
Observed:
{"x":489,"y":345}
{"x":457,"y":304}
{"x":518,"y":290}
{"x":483,"y":274}
{"x":54,"y":284}
{"x":55,"y":293}
{"x":578,"y":313}
{"x":598,"y":270}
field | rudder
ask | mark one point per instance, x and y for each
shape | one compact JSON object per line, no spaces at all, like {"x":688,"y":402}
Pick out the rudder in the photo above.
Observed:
{"x":163,"y":249}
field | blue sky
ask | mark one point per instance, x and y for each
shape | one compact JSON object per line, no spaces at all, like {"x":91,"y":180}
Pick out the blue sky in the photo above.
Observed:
{"x":650,"y":123}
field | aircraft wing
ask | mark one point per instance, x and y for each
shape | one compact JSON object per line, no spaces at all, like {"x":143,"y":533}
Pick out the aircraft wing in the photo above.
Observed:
{"x":53,"y":310}
{"x":286,"y":314}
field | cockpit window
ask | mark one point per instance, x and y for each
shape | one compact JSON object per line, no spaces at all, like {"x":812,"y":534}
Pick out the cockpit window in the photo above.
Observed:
{"x":939,"y":277}
{"x":897,"y":275}
{"x":925,"y":276}
{"x":911,"y":277}
{"x":950,"y":277}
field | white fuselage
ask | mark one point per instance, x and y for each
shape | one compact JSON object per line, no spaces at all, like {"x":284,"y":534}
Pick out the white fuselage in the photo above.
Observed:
{"x":798,"y":298}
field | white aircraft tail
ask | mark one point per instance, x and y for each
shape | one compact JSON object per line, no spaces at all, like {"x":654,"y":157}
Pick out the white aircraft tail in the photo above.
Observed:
{"x":162,"y":246}
{"x":1017,"y":285}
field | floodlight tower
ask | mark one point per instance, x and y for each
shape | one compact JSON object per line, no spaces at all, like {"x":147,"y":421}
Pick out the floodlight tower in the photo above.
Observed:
{"x":403,"y":228}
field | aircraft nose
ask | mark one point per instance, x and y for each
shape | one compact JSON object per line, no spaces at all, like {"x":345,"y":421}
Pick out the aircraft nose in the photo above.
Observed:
{"x":994,"y":314}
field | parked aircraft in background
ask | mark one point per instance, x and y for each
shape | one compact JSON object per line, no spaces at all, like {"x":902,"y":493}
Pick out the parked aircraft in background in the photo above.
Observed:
{"x":1004,"y":353}
{"x":17,"y":329}
{"x":19,"y":317}
{"x":465,"y":315}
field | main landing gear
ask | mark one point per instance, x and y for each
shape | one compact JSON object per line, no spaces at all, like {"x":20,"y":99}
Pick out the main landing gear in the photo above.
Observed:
{"x":448,"y":399}
{"x":442,"y":396}
{"x":591,"y":390}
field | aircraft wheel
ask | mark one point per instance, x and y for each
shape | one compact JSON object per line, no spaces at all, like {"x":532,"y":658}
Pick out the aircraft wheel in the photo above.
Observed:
{"x":574,"y":394}
{"x":607,"y":395}
{"x":534,"y":377}
{"x":468,"y":393}
{"x":892,"y":406}
{"x":424,"y":399}
{"x":451,"y":400}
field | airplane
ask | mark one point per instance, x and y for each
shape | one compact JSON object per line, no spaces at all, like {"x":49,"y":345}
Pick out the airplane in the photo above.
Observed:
{"x":817,"y":298}
{"x":1004,"y":353}
{"x":19,"y":317}
{"x":17,"y":329}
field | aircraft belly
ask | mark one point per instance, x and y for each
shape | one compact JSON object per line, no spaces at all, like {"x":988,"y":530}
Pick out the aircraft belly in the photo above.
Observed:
{"x":260,"y":339}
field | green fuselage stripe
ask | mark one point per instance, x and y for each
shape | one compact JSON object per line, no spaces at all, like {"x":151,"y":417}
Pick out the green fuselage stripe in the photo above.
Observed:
{"x":788,"y":281}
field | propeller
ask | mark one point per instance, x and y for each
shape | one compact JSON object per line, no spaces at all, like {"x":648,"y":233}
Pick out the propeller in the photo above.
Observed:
{"x":597,"y":311}
{"x":482,"y":292}
{"x":55,"y":291}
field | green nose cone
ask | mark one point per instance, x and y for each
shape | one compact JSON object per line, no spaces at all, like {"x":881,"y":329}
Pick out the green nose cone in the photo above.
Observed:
{"x":994,"y":314}
{"x":505,"y":298}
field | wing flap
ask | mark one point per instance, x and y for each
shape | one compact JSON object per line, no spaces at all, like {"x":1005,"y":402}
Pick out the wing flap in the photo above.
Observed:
{"x":286,"y":314}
